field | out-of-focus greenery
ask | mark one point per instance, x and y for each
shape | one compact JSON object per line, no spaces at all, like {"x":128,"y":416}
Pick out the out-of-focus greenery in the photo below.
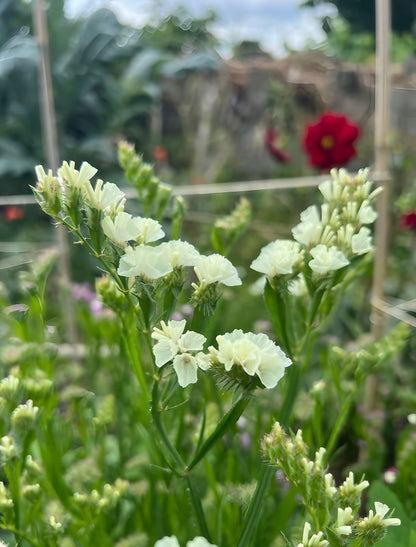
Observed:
{"x":345,"y":44}
{"x":361,"y":14}
{"x":106,"y":79}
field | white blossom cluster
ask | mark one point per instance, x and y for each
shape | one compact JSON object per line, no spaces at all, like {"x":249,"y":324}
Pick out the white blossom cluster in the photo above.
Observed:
{"x":135,"y":236}
{"x":255,"y":354}
{"x":317,"y":488}
{"x":172,"y":541}
{"x":251,"y":354}
{"x":326,"y":238}
{"x":182,"y":348}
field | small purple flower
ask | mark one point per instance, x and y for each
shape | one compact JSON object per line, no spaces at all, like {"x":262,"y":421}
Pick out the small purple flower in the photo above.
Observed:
{"x":82,"y":292}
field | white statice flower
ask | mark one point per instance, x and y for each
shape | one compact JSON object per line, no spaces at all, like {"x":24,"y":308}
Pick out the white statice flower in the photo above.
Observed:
{"x":349,"y":488}
{"x":215,"y":268}
{"x":327,"y":259}
{"x":172,"y":541}
{"x":330,"y":189}
{"x":180,"y":253}
{"x":366,"y":214}
{"x":381,"y":511}
{"x":186,"y":366}
{"x":362,"y":242}
{"x":278,"y":258}
{"x":329,"y":482}
{"x":256,"y":354}
{"x":344,"y":236}
{"x":124,"y":227}
{"x":309,"y":229}
{"x":411,"y":418}
{"x":183,"y":348}
{"x":149,"y":230}
{"x":77,"y":179}
{"x":47,"y":181}
{"x":199,"y":541}
{"x":167,"y":541}
{"x":144,"y":261}
{"x":105,"y":197}
{"x":314,"y":541}
{"x":120,"y":229}
{"x":345,"y":519}
{"x":377,"y":520}
{"x":171,"y":340}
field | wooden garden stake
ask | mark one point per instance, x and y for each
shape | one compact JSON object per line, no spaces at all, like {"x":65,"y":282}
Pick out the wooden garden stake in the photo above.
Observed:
{"x":52,"y":155}
{"x":381,"y":174}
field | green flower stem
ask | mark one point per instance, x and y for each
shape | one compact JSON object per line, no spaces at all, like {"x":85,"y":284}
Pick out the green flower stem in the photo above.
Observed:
{"x":130,"y":336}
{"x":277,"y":306}
{"x":13,"y":476}
{"x":255,"y":508}
{"x":22,"y":535}
{"x":229,"y":419}
{"x":267,"y":473}
{"x":178,"y":464}
{"x":336,"y":430}
{"x":199,"y":511}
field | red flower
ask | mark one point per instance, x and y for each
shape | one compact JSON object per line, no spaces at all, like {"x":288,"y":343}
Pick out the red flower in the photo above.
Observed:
{"x":272,"y":143}
{"x":330,"y":142}
{"x":409,"y":221}
{"x":160,"y":153}
{"x":12,"y":213}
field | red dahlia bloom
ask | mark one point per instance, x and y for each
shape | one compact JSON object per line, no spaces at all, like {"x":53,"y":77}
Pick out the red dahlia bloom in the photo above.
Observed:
{"x":330,"y":142}
{"x":272,"y":143}
{"x":160,"y":153}
{"x":12,"y":213}
{"x":409,"y":221}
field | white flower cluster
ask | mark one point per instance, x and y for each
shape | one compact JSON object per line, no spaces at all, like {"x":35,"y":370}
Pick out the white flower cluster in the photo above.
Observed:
{"x":255,"y":354}
{"x":328,"y":238}
{"x":249,"y":353}
{"x":134,"y":234}
{"x":172,"y":541}
{"x":317,"y":488}
{"x":377,"y":520}
{"x":314,"y":541}
{"x":182,"y":348}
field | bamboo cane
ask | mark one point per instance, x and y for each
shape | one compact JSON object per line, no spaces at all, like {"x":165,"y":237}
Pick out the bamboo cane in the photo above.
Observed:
{"x":52,"y":155}
{"x":381,"y":170}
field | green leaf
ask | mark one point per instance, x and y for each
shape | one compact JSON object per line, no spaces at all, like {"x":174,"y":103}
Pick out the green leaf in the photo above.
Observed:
{"x":334,"y":540}
{"x":217,"y":241}
{"x":276,"y":305}
{"x":177,"y":217}
{"x":228,"y":420}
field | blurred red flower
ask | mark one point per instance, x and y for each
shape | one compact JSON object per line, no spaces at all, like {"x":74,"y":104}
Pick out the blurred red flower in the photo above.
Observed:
{"x":160,"y":153}
{"x":12,"y":213}
{"x":409,"y":221}
{"x":330,"y":142}
{"x":272,"y":143}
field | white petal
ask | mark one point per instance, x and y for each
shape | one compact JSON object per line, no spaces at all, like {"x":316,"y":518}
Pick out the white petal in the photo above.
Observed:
{"x":203,"y":361}
{"x":164,"y":351}
{"x":216,"y":268}
{"x":191,"y":341}
{"x":185,"y":366}
{"x":144,"y":261}
{"x":199,"y":542}
{"x":167,"y":541}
